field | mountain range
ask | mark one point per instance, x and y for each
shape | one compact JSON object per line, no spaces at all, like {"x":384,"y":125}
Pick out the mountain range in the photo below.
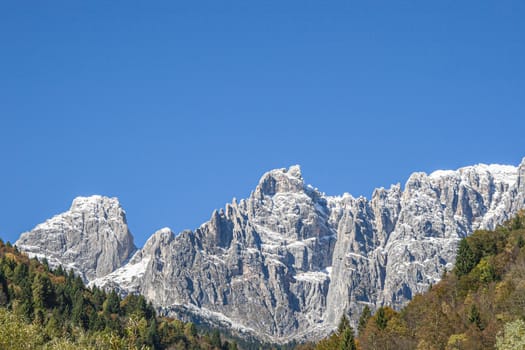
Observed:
{"x":287,"y":262}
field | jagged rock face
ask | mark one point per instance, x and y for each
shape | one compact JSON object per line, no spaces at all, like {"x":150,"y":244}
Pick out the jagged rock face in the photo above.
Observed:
{"x":92,"y":238}
{"x":437,"y":211}
{"x":287,"y":262}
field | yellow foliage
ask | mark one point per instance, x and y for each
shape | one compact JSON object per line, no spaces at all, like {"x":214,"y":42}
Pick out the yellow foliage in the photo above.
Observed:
{"x":57,"y":279}
{"x":444,"y":317}
{"x":425,"y":345}
{"x":456,"y":341}
{"x":15,"y":334}
{"x":502,"y":291}
{"x":397,"y":325}
{"x":10,"y":256}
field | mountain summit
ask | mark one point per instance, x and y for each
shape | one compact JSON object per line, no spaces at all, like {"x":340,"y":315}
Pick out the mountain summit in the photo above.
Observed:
{"x":287,"y":262}
{"x":92,"y":237}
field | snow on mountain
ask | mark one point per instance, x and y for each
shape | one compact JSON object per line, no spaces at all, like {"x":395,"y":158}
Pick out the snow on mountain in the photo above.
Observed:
{"x":92,"y":237}
{"x":288,"y":261}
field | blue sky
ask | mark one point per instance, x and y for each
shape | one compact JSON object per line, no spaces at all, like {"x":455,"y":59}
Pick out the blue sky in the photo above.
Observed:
{"x":177,"y":107}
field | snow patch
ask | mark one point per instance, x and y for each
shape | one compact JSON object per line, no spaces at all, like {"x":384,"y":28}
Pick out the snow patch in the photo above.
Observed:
{"x":125,"y":275}
{"x":313,"y":276}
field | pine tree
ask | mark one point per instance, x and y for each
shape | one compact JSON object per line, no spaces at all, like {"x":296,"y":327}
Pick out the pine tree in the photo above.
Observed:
{"x":46,"y":264}
{"x":42,"y":291}
{"x":52,"y":327}
{"x":78,"y":311}
{"x":59,"y":271}
{"x":521,"y":241}
{"x":98,"y":297}
{"x":343,"y":324}
{"x":516,"y":223}
{"x":215,"y":339}
{"x":112,"y":303}
{"x":96,"y":322}
{"x":20,"y":273}
{"x":24,"y":309}
{"x":152,"y":337}
{"x":474,"y":317}
{"x":347,"y":341}
{"x":381,"y":320}
{"x":466,"y":259}
{"x":363,"y":319}
{"x":38,"y":318}
{"x":4,"y":294}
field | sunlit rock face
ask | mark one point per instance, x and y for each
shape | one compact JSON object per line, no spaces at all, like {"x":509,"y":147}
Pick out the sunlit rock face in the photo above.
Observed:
{"x":287,"y":262}
{"x":92,"y":237}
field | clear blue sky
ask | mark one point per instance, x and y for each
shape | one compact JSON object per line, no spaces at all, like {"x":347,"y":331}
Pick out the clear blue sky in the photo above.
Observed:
{"x":176,"y":107}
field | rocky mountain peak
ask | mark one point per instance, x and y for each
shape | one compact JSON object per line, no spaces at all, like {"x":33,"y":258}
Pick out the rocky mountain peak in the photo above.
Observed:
{"x":416,"y":181}
{"x":99,"y":206}
{"x":520,"y":182}
{"x":281,"y":181}
{"x":161,"y":237}
{"x":287,"y":262}
{"x":94,"y":201}
{"x":92,"y":237}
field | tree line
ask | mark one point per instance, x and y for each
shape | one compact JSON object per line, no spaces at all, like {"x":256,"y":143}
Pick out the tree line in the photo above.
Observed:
{"x":44,"y":308}
{"x":480,"y":304}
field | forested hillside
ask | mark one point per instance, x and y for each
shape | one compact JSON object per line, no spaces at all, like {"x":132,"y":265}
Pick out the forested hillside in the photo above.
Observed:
{"x":42,"y":308}
{"x":478,"y":305}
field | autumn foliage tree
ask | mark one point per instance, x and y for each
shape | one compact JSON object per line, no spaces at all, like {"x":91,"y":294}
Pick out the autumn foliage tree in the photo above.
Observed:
{"x":342,"y":339}
{"x":42,"y":308}
{"x":479,"y":305}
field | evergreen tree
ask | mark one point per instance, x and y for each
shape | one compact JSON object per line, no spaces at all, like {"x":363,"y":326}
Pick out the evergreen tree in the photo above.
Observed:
{"x":521,"y":241}
{"x":474,"y":317}
{"x":343,"y":324}
{"x":52,"y":328}
{"x":466,"y":259}
{"x":4,"y":294}
{"x":150,"y":309}
{"x":77,"y":284}
{"x":96,"y":322}
{"x":347,"y":341}
{"x":98,"y":297}
{"x":381,"y":320}
{"x":38,"y":317}
{"x":363,"y":319}
{"x":215,"y":339}
{"x":112,"y":303}
{"x":516,"y":223}
{"x":152,"y":337}
{"x":20,"y":273}
{"x":59,"y":271}
{"x":24,"y":309}
{"x":64,"y":314}
{"x":78,"y":311}
{"x":46,"y":264}
{"x":42,"y":291}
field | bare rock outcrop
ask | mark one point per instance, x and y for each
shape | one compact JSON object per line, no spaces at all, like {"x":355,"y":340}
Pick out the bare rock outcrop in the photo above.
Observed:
{"x":287,"y":262}
{"x":92,"y":238}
